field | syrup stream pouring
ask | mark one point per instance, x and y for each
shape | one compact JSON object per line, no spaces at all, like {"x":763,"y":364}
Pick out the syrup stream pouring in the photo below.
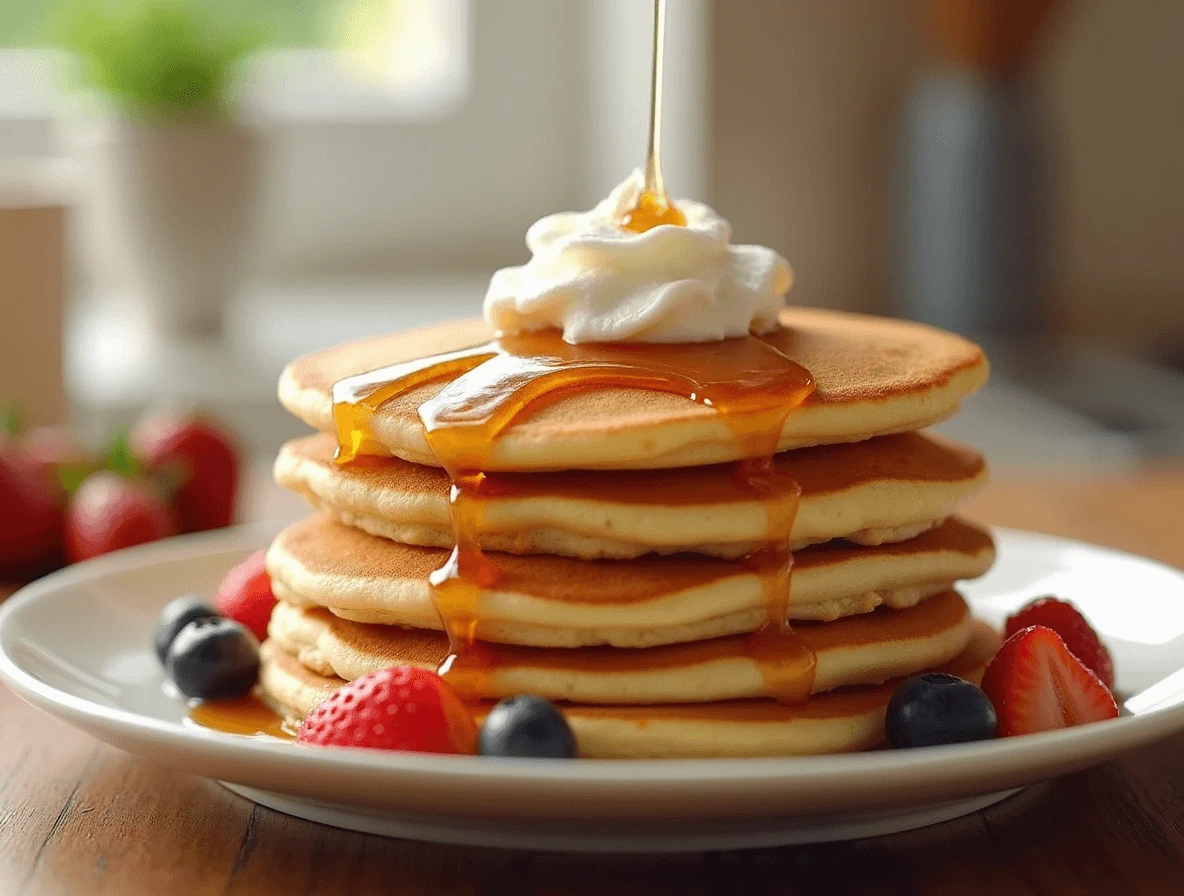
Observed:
{"x":752,"y":385}
{"x":653,"y":205}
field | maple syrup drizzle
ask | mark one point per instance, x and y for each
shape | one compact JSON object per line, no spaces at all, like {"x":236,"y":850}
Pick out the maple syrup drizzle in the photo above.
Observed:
{"x":752,"y":385}
{"x":653,"y":206}
{"x":248,"y":715}
{"x":356,"y":398}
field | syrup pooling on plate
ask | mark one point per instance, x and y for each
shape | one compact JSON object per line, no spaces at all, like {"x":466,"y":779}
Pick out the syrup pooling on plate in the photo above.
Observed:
{"x":248,"y":716}
{"x":752,"y":385}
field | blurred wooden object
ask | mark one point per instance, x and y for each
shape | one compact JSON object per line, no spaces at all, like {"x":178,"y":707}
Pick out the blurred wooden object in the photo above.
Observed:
{"x":976,"y":176}
{"x":988,"y":35}
{"x":32,"y":288}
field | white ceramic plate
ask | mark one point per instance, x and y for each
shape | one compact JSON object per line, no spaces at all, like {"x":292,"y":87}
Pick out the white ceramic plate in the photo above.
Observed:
{"x":77,"y":644}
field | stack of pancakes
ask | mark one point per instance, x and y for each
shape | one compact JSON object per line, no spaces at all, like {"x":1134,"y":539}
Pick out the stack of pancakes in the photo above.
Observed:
{"x":621,"y":537}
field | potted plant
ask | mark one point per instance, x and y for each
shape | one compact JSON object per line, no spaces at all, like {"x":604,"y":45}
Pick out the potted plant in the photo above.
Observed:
{"x":183,"y":169}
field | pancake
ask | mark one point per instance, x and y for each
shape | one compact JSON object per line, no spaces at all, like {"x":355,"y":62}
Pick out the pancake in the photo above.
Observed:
{"x":561,"y":602}
{"x":881,"y":490}
{"x":839,"y":721}
{"x":873,"y":376}
{"x":866,"y":649}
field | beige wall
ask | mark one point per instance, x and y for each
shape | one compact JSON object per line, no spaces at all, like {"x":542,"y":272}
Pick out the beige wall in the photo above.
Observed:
{"x":1114,"y":80}
{"x":32,"y":292}
{"x":805,"y":104}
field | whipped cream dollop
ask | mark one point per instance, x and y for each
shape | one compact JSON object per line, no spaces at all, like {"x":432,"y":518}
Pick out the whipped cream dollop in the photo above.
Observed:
{"x":598,"y":282}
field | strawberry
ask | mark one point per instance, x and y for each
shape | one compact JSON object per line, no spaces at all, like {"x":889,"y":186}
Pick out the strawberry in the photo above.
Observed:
{"x":59,"y":456}
{"x":200,"y":457}
{"x":109,"y":512}
{"x":30,"y":522}
{"x":1037,"y":684}
{"x":400,"y":708}
{"x":1066,"y":620}
{"x":245,"y":595}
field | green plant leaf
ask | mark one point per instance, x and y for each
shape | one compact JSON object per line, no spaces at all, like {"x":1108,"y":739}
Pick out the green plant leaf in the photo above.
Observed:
{"x":12,"y":421}
{"x":70,"y":476}
{"x":161,"y":56}
{"x":119,"y":457}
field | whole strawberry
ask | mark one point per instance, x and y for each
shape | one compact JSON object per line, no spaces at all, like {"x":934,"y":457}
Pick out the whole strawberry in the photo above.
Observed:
{"x":30,"y":521}
{"x":1066,"y":620}
{"x":62,"y":460}
{"x":199,"y":458}
{"x":245,"y":595}
{"x":109,"y":512}
{"x":400,"y":708}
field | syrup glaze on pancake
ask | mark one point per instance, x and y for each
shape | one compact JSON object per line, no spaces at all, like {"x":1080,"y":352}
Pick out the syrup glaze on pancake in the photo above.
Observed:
{"x":859,"y":650}
{"x":872,"y":376}
{"x":749,"y":382}
{"x":873,"y":491}
{"x":838,"y":721}
{"x":751,"y":386}
{"x":556,"y":601}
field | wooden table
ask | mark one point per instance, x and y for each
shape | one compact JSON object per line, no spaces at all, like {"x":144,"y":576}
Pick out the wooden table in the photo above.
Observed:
{"x":81,"y":817}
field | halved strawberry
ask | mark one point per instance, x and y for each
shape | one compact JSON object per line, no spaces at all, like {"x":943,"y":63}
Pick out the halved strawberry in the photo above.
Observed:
{"x":1066,"y":620}
{"x":1037,"y":684}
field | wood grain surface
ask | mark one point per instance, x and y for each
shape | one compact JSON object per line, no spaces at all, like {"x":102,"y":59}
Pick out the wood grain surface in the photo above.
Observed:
{"x":80,"y":817}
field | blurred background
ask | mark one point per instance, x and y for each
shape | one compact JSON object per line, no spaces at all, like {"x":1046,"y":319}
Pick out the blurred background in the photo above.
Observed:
{"x":192,"y":193}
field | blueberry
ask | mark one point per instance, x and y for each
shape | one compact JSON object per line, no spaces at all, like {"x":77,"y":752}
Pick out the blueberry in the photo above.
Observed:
{"x":175,"y":616}
{"x":936,"y":708}
{"x":213,"y":658}
{"x":527,"y":726}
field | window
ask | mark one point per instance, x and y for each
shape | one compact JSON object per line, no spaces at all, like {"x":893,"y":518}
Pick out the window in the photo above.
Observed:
{"x":323,"y":58}
{"x":424,"y":135}
{"x":405,"y":58}
{"x":29,"y":23}
{"x":408,"y":145}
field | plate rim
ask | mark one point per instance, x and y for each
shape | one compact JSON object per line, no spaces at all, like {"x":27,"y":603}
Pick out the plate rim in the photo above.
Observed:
{"x":903,"y":769}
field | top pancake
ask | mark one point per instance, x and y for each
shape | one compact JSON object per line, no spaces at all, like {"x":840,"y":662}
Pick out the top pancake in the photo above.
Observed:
{"x":873,"y":376}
